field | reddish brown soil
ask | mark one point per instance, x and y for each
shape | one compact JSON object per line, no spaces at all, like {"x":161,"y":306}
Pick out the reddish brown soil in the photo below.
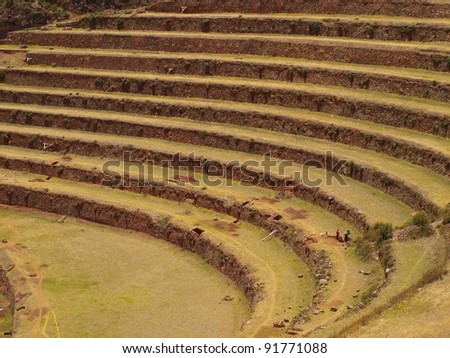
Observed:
{"x":296,"y":214}
{"x":12,"y":58}
{"x":269,"y":200}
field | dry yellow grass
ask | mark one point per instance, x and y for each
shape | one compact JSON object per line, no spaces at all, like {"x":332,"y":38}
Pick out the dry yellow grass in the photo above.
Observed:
{"x":426,"y":314}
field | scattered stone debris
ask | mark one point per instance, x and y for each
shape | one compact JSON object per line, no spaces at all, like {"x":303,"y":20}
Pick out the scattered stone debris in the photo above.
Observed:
{"x":279,"y":324}
{"x":366,"y":273}
{"x":228,"y":298}
{"x":261,"y":285}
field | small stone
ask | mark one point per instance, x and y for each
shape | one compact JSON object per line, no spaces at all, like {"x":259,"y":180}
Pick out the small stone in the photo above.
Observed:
{"x":350,"y":307}
{"x":62,"y":219}
{"x":279,"y":324}
{"x":228,"y":298}
{"x":32,"y":274}
{"x":355,"y":296}
{"x":23,"y":46}
{"x":290,"y":307}
{"x":291,"y":332}
{"x":4,"y":241}
{"x":286,"y":320}
{"x":301,"y":276}
{"x":333,"y":309}
{"x":216,"y":219}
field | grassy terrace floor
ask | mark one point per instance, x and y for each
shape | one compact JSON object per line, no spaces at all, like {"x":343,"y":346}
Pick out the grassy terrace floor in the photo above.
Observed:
{"x":98,"y":281}
{"x":282,"y":286}
{"x":379,"y":208}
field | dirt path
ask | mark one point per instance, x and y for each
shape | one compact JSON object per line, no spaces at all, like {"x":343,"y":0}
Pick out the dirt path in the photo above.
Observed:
{"x":43,"y":309}
{"x":342,"y":292}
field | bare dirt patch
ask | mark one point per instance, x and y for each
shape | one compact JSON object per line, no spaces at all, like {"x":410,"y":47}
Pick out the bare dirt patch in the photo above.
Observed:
{"x":12,"y":59}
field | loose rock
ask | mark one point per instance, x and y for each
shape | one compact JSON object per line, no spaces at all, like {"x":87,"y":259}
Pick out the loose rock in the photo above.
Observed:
{"x":279,"y":324}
